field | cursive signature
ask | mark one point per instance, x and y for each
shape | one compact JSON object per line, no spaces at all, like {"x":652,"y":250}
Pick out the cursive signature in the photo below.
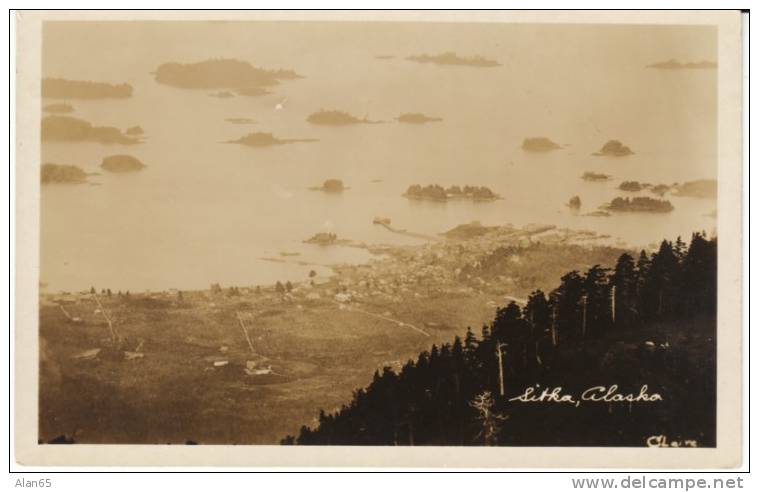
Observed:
{"x":662,"y":441}
{"x":595,"y":394}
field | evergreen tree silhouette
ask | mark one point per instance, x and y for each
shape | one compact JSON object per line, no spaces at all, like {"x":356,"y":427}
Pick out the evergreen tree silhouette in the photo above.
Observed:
{"x":451,"y":396}
{"x":597,"y":302}
{"x":625,"y":283}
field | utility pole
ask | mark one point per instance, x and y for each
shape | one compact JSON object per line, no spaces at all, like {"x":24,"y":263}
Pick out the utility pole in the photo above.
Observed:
{"x":533,"y":337}
{"x":114,"y":335}
{"x":613,"y":304}
{"x":500,"y":366}
{"x":245,"y":331}
{"x":584,"y":315}
{"x":554,"y":338}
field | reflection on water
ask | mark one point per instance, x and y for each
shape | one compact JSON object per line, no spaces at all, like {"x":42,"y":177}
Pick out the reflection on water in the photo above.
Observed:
{"x":204,"y":212}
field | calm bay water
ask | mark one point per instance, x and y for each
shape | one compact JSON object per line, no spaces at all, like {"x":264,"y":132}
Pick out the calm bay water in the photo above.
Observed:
{"x":203,"y":211}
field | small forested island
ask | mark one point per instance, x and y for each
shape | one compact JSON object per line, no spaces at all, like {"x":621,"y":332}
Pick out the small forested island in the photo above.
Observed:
{"x":56,"y":88}
{"x":703,"y":188}
{"x":417,"y":118}
{"x":335,"y":118}
{"x":673,"y":64}
{"x":331,"y":186}
{"x":121,"y":163}
{"x":640,"y":204}
{"x":384,"y":221}
{"x":539,"y":144}
{"x":260,"y":139}
{"x":591,"y":176}
{"x":58,"y":108}
{"x":438,"y":193}
{"x":574,"y":202}
{"x":632,"y":186}
{"x":135,"y":130}
{"x":69,"y":129}
{"x":220,"y":74}
{"x":451,"y":58}
{"x":614,"y":148}
{"x":322,"y":238}
{"x":384,"y":57}
{"x":62,"y":174}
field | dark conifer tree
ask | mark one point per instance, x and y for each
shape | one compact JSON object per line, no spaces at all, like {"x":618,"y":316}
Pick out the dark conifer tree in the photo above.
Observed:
{"x":511,"y":330}
{"x":662,"y":280}
{"x":647,"y":295}
{"x":597,"y":302}
{"x":567,"y":300}
{"x":699,"y":277}
{"x":429,"y":400}
{"x":625,"y":283}
{"x":537,"y":314}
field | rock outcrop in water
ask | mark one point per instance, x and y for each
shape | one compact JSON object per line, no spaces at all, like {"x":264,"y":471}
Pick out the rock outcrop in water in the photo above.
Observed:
{"x":539,"y":144}
{"x":261,"y":139}
{"x":660,"y":189}
{"x":69,"y":129}
{"x":59,"y":108}
{"x":597,"y":213}
{"x":331,"y":186}
{"x":122,"y":163}
{"x":704,"y":188}
{"x":62,"y":174}
{"x":591,"y":176}
{"x":417,"y":118}
{"x":673,"y":64}
{"x":220,"y":74}
{"x":451,"y":58}
{"x":640,"y":204}
{"x":632,"y":186}
{"x":614,"y":148}
{"x":335,"y":118}
{"x":322,"y":238}
{"x":574,"y":202}
{"x":55,"y":88}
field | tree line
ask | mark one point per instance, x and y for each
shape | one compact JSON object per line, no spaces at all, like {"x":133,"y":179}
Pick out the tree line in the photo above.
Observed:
{"x":458,"y":393}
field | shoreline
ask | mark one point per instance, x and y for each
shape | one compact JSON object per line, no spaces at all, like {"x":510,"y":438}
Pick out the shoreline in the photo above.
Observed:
{"x":254,"y":347}
{"x":380,"y":252}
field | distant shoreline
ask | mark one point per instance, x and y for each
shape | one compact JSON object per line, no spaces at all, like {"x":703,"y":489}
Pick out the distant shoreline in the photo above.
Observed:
{"x":377,"y":252}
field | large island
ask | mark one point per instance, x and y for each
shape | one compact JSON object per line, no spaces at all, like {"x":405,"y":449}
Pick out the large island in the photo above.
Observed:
{"x":640,"y":204}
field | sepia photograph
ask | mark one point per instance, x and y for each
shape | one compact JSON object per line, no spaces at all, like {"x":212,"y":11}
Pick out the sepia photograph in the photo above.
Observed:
{"x":383,"y":231}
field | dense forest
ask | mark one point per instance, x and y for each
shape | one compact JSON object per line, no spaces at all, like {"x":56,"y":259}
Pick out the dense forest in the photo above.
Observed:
{"x":649,"y":321}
